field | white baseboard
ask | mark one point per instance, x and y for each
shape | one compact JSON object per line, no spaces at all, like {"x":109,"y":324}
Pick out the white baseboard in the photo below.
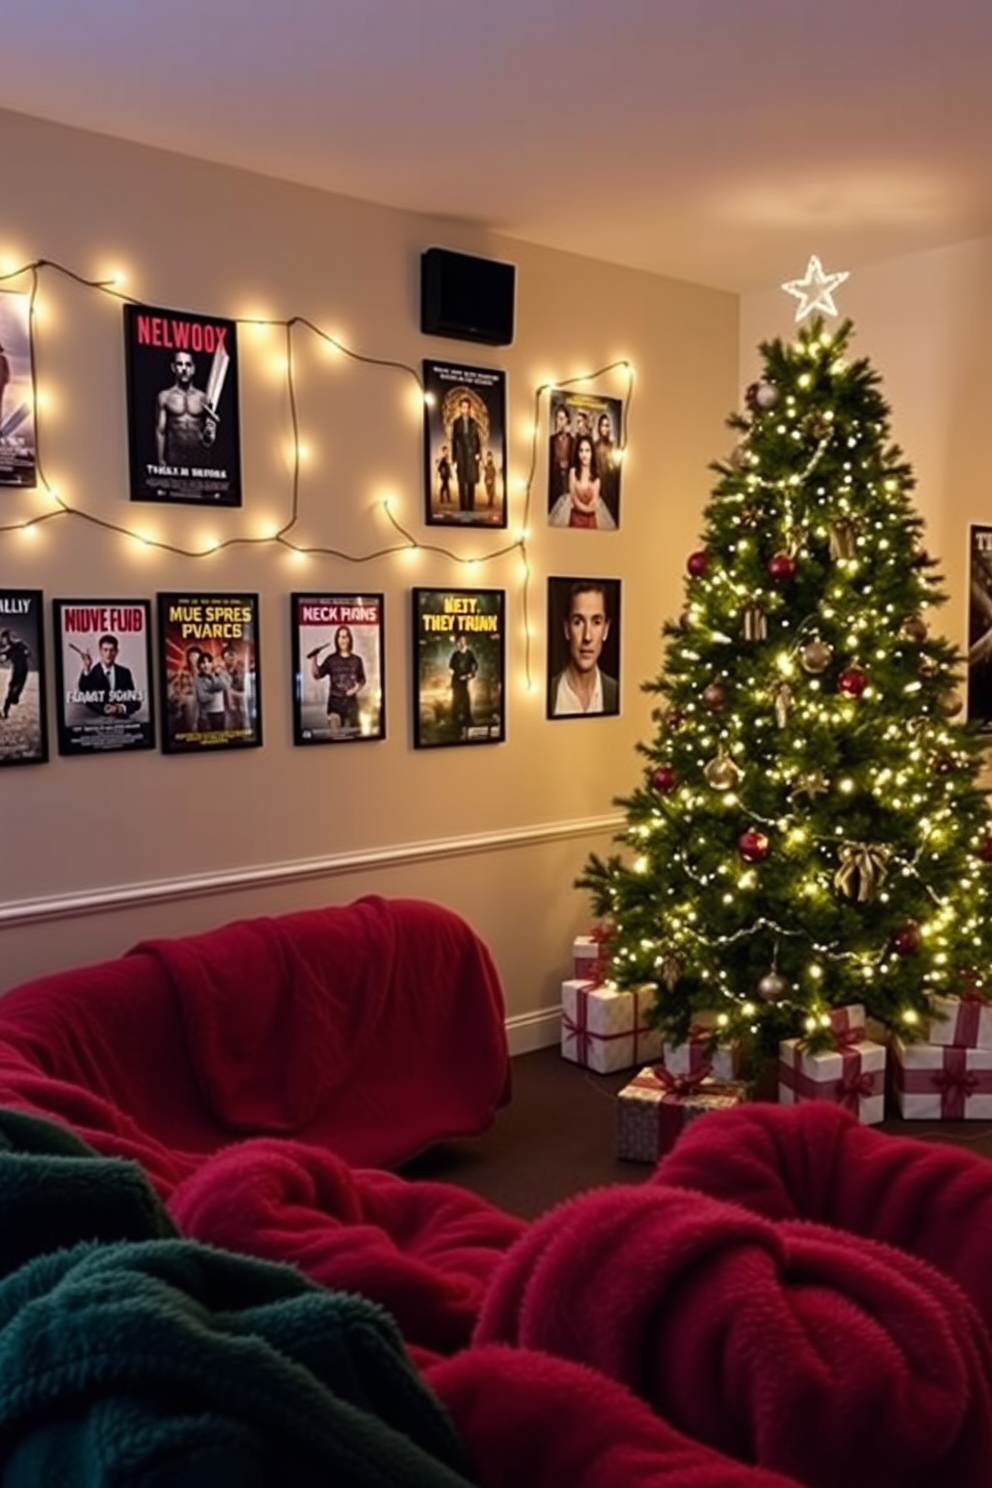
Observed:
{"x":526,"y":1032}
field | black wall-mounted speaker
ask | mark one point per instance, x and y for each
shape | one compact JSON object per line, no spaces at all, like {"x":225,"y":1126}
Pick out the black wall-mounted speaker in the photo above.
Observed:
{"x":466,"y":298}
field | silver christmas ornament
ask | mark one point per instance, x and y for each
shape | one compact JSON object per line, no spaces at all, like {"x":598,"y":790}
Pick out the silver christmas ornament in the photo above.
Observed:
{"x":773,"y":987}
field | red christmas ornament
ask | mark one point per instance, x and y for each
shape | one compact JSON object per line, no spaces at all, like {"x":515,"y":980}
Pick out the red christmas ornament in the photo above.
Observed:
{"x":985,"y":850}
{"x":714,"y":697}
{"x":664,"y":780}
{"x":753,"y":846}
{"x":852,"y":682}
{"x":781,"y":566}
{"x":697,"y":563}
{"x":906,"y":940}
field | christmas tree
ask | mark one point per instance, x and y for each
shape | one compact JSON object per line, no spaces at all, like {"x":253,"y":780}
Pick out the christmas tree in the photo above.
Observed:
{"x":809,"y":830}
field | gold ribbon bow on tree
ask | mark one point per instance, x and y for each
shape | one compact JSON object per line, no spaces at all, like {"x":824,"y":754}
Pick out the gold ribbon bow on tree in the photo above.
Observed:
{"x":862,"y":871}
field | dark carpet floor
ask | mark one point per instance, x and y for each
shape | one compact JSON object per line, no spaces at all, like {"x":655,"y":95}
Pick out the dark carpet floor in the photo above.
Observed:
{"x":557,"y":1137}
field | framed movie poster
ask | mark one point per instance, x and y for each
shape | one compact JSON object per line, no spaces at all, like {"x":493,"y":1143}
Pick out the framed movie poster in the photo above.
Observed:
{"x":209,"y":672}
{"x":980,"y":627}
{"x":103,"y":671}
{"x":583,"y":647}
{"x":338,"y":667}
{"x":464,"y":446}
{"x":23,"y":722}
{"x":458,"y":666}
{"x":584,"y":461}
{"x":18,"y":452}
{"x":182,"y":407}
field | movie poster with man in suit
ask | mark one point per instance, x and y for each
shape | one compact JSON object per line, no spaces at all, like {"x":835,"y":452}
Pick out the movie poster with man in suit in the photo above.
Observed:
{"x":103,"y":675}
{"x":182,"y":407}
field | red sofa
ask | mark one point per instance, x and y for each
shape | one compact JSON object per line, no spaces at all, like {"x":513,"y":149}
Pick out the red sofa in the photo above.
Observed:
{"x":372,"y":1030}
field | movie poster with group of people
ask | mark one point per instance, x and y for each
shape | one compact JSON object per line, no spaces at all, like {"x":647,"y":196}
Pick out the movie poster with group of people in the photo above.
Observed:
{"x":209,"y":660}
{"x":18,"y":452}
{"x":338,"y":668}
{"x":459,"y":640}
{"x":584,"y":461}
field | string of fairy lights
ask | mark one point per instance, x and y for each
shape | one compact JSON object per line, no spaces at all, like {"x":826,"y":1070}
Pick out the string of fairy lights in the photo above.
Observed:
{"x":281,"y":536}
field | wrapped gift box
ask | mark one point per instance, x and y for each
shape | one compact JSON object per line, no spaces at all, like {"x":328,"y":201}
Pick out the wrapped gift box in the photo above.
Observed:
{"x":588,"y":955}
{"x":851,"y":1076}
{"x":606,"y":1028}
{"x":963,"y":1021}
{"x":937,"y":1082}
{"x":653,"y":1109}
{"x":848,"y":1022}
{"x":695,"y":1058}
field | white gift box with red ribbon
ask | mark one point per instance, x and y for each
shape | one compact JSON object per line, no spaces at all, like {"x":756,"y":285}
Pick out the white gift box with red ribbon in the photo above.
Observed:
{"x":605,"y":1028}
{"x":588,"y":956}
{"x":696,"y":1057}
{"x":964,"y":1021}
{"x":852,"y":1075}
{"x":941,"y":1082}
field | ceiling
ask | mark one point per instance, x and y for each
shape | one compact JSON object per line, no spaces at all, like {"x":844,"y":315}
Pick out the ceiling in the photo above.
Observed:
{"x":719,"y":141}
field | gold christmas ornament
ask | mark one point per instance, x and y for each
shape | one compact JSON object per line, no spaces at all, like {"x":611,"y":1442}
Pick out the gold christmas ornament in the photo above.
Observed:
{"x":782,"y":703}
{"x":951,"y":705}
{"x":843,"y":539}
{"x":815,"y":657}
{"x":929,"y":666}
{"x":914,"y":629}
{"x":814,"y":783}
{"x":721,"y":773}
{"x":670,"y":971}
{"x":862,"y":871}
{"x":755,"y":624}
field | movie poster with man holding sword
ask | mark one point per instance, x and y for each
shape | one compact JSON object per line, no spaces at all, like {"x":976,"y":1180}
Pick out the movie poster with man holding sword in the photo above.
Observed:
{"x":337,"y":668}
{"x":182,"y":407}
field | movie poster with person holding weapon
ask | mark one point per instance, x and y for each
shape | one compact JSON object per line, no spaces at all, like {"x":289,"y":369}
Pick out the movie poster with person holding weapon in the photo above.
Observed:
{"x":182,"y":407}
{"x":337,"y":668}
{"x":103,"y":675}
{"x":209,"y":672}
{"x":23,"y":730}
{"x":18,"y":453}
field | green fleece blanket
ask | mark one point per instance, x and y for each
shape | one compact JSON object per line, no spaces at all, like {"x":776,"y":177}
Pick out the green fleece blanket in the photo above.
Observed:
{"x":128,"y":1360}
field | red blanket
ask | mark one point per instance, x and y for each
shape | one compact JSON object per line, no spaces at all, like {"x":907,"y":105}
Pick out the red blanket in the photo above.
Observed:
{"x":792,"y":1345}
{"x":376,"y":1028}
{"x":425,"y":1251}
{"x":933,"y":1201}
{"x":529,"y":1420}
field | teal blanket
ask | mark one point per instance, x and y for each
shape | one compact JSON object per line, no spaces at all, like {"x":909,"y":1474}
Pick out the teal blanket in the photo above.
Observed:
{"x":129,"y":1359}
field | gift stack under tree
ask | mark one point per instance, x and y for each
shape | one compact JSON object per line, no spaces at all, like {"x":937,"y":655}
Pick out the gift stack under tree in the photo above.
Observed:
{"x":843,"y":1066}
{"x":604,"y":1027}
{"x":809,"y":831}
{"x":948,"y":1078}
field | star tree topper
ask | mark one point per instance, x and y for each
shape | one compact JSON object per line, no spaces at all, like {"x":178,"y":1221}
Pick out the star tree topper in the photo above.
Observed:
{"x":815,"y":292}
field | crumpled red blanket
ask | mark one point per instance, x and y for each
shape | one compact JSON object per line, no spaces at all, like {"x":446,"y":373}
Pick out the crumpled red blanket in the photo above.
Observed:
{"x":425,"y":1251}
{"x":931,"y":1200}
{"x":795,"y":1346}
{"x":529,"y":1420}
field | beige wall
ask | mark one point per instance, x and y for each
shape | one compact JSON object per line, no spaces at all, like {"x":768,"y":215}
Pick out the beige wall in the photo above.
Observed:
{"x":95,"y":853}
{"x":923,"y":321}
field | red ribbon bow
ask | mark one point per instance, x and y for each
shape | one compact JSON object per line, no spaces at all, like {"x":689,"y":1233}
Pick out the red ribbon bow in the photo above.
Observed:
{"x":679,"y":1085}
{"x":955,"y":1086}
